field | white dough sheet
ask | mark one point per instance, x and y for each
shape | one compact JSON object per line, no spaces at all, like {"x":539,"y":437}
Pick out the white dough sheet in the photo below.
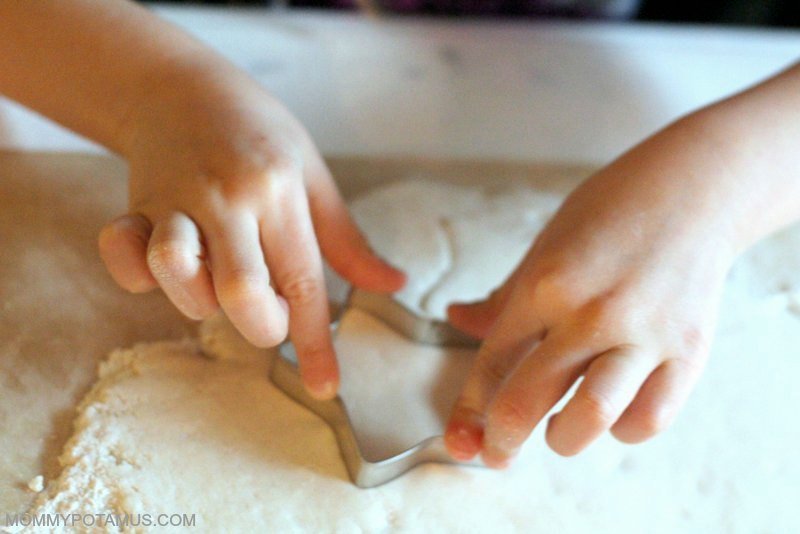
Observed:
{"x":195,"y":426}
{"x":456,"y":243}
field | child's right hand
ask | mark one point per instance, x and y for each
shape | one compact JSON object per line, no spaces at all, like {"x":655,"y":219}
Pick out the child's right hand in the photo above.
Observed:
{"x":623,"y":285}
{"x":622,"y":288}
{"x":229,"y":205}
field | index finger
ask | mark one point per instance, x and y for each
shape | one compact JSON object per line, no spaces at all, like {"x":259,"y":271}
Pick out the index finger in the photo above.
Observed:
{"x":292,"y":252}
{"x":513,"y":336}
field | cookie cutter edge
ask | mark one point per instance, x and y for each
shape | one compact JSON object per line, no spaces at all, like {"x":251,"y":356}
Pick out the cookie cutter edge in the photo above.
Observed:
{"x":363,"y":472}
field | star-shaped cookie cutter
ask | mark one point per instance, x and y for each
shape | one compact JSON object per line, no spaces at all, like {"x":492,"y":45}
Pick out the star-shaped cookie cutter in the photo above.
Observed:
{"x":365,"y":473}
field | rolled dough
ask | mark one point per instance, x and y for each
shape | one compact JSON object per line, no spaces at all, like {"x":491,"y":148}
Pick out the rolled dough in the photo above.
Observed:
{"x":168,"y":429}
{"x":454,"y":242}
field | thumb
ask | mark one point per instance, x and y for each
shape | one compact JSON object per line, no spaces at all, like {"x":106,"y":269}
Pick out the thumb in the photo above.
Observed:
{"x":477,"y":318}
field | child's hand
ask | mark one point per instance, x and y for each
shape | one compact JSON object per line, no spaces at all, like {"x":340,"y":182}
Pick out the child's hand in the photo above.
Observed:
{"x":622,"y":288}
{"x":230,"y":204}
{"x":623,"y":285}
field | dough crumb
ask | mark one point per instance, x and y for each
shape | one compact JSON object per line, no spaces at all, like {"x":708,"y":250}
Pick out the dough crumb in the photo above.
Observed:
{"x":36,"y":483}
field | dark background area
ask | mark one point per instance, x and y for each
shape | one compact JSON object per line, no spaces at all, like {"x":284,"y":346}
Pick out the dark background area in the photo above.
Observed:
{"x":775,"y":13}
{"x":783,"y":13}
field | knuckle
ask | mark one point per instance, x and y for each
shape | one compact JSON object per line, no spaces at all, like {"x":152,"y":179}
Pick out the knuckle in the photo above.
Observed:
{"x":490,"y":369}
{"x":281,"y":163}
{"x":694,"y":343}
{"x":301,"y":289}
{"x":607,"y":309}
{"x":169,"y":259}
{"x":596,"y":407}
{"x":508,"y":415}
{"x":553,"y":284}
{"x":241,"y":286}
{"x":610,"y":318}
{"x":547,"y":277}
{"x":688,"y":366}
{"x":256,"y":174}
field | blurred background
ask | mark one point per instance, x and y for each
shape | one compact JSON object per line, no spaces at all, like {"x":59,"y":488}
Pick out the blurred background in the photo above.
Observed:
{"x":775,"y":13}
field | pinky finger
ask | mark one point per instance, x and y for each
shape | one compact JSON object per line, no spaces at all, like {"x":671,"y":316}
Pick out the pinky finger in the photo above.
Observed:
{"x":123,"y":248}
{"x":662,"y":395}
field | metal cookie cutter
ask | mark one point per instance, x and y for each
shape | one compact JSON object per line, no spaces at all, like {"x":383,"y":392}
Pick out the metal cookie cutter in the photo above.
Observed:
{"x":365,"y":473}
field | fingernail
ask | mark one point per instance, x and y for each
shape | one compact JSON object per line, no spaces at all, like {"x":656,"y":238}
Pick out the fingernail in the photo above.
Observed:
{"x":463,"y":440}
{"x":325,"y":391}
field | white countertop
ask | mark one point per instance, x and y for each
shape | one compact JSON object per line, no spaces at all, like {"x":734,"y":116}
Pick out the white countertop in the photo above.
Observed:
{"x":470,"y":88}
